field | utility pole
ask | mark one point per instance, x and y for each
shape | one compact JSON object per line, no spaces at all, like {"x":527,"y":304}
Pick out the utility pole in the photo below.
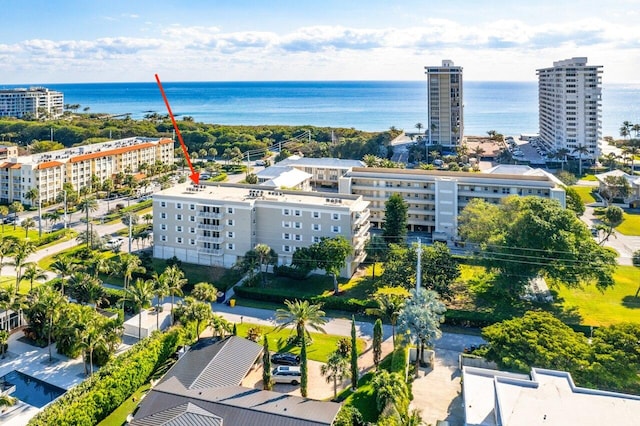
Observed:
{"x":419,"y":266}
{"x":65,"y":208}
{"x":130,"y":227}
{"x":39,"y":216}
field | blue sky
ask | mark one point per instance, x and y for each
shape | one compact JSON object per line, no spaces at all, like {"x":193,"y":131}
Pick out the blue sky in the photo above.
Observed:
{"x":93,"y":41}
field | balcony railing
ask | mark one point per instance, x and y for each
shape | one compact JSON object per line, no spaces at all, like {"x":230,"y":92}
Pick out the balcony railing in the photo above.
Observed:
{"x":210,"y":215}
{"x":209,"y":227}
{"x":213,"y":252}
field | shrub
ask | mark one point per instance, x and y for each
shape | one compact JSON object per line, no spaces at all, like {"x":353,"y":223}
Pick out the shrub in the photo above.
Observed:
{"x":95,"y":398}
{"x":399,"y":359}
{"x":290,"y":272}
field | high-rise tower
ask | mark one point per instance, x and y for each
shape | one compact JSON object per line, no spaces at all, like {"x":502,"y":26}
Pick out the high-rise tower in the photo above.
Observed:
{"x":445,"y":122}
{"x":570,"y":109}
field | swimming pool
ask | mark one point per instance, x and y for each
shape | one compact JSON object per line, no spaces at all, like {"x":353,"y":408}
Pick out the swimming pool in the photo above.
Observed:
{"x":31,"y":390}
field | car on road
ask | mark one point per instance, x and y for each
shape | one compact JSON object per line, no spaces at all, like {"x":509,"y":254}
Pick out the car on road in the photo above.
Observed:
{"x":286,"y":374}
{"x":114,"y":243}
{"x":285,"y":358}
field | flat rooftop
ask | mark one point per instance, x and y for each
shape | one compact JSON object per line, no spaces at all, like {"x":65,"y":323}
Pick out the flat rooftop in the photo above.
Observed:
{"x":239,"y":193}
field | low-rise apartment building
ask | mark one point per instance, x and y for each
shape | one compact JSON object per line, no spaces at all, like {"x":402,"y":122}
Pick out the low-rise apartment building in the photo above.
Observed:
{"x":50,"y":170}
{"x":216,"y":224}
{"x":34,"y":101}
{"x":436,"y":198}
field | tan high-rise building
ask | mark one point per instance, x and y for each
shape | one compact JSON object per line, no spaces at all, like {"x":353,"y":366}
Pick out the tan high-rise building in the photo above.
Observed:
{"x":445,"y":123}
{"x":570,"y":109}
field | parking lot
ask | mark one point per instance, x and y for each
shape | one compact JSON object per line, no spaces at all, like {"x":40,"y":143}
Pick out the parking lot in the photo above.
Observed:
{"x":527,"y":150}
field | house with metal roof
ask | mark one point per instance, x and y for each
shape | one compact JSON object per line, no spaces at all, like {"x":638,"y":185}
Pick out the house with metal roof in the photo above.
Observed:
{"x":203,"y":388}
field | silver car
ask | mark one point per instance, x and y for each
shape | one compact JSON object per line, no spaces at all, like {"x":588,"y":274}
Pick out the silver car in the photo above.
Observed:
{"x":286,"y":374}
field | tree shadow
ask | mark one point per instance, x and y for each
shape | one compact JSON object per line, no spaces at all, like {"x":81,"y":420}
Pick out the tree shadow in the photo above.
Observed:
{"x":631,"y":302}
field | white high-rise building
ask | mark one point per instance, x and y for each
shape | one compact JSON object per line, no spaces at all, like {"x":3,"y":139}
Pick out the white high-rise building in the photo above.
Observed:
{"x":445,"y":122}
{"x":34,"y":101}
{"x":570,"y":109}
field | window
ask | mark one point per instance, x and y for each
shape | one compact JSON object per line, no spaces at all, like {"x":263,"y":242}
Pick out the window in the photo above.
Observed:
{"x":230,"y":210}
{"x":286,"y":224}
{"x":230,"y":222}
{"x":192,"y":242}
{"x":179,"y":240}
{"x":296,"y":213}
{"x":163,"y":238}
{"x":297,"y":225}
{"x":192,"y":206}
{"x":298,"y":237}
{"x":163,"y":227}
{"x":192,"y":230}
{"x":336,"y":216}
{"x":316,"y":239}
{"x":286,"y":249}
{"x":163,"y":215}
{"x":178,"y":217}
{"x":163,"y":204}
{"x":316,"y":227}
{"x":286,"y":212}
{"x":286,"y":236}
{"x":178,"y":228}
{"x":230,"y":246}
{"x":316,"y":215}
{"x":335,"y":229}
{"x":192,"y":218}
{"x":179,"y":206}
{"x":230,"y":234}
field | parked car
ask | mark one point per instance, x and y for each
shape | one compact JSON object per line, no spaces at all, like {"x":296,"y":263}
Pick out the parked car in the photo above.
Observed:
{"x":285,"y":358}
{"x":286,"y":374}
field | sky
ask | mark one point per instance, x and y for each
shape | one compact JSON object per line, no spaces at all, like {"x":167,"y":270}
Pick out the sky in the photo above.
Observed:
{"x":69,"y":41}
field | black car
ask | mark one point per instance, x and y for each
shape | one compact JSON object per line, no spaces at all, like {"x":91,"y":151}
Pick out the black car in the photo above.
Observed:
{"x":285,"y":358}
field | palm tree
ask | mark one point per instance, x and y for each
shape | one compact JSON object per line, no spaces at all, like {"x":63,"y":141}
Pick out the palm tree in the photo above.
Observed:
{"x":160,"y":290}
{"x":6,"y":248}
{"x":265,"y":256}
{"x":127,"y":266}
{"x":336,"y":369}
{"x":32,"y":272}
{"x":388,"y":388}
{"x":561,"y":155}
{"x":219,"y":325}
{"x":611,"y":159}
{"x":205,"y":292}
{"x":50,"y":302}
{"x":147,"y":217}
{"x":64,"y":267}
{"x":631,"y":151}
{"x":636,"y":129}
{"x":419,"y":126}
{"x":87,"y":206}
{"x":7,"y":400}
{"x":175,"y":280}
{"x":197,"y":311}
{"x":87,"y":289}
{"x":140,"y":294}
{"x":97,"y":264}
{"x":581,"y":149}
{"x":390,"y":302}
{"x":625,"y":129}
{"x":301,"y":314}
{"x":7,"y":299}
{"x":26,"y":224}
{"x":4,"y":340}
{"x":90,"y":339}
{"x":4,"y":211}
{"x":22,"y":250}
{"x":15,"y":208}
{"x":478,"y":151}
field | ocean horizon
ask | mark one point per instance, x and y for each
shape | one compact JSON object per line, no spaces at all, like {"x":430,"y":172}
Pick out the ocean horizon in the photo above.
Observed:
{"x":510,"y":108}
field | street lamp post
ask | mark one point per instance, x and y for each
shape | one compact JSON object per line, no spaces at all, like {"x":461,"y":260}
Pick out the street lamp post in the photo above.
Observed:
{"x":65,"y":208}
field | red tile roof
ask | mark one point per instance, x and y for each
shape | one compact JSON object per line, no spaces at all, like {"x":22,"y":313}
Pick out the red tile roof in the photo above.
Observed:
{"x":48,"y":164}
{"x":110,"y":152}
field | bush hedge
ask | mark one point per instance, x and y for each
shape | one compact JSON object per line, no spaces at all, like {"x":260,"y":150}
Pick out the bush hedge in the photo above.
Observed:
{"x":290,"y":272}
{"x":337,"y":303}
{"x":95,"y":398}
{"x":52,"y":236}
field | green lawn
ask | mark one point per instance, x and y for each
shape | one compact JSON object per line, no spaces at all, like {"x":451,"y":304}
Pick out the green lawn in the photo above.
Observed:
{"x":364,"y":398}
{"x":323,"y":344}
{"x":615,"y":305}
{"x":585,"y":194}
{"x":630,"y":225}
{"x":590,"y":178}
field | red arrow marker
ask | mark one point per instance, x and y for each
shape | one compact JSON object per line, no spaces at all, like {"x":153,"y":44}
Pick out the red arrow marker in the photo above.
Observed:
{"x":194,"y":176}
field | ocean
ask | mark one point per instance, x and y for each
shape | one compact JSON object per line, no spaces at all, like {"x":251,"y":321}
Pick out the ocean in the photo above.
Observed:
{"x":510,"y":108}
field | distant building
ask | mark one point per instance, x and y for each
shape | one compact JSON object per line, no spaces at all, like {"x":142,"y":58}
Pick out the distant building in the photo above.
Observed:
{"x":8,"y":151}
{"x":570,"y":108}
{"x":36,"y":102}
{"x":633,"y":181}
{"x":284,"y":177}
{"x":436,"y":198}
{"x":324,"y":171}
{"x":216,"y":224}
{"x":545,"y":398}
{"x":445,"y":122}
{"x":48,"y":171}
{"x":204,"y":388}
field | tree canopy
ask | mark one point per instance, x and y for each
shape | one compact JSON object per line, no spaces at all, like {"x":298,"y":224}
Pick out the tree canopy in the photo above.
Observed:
{"x":395,"y":219}
{"x":523,"y":237}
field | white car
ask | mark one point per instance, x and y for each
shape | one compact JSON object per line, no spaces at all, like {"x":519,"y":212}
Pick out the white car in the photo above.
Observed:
{"x":114,"y":243}
{"x":286,"y":374}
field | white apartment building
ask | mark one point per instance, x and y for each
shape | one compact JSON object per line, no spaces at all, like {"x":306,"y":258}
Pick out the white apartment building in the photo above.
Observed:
{"x":50,"y":170}
{"x":445,"y":122}
{"x":436,"y":198}
{"x":324,"y":171}
{"x":570,"y":109}
{"x":34,"y":101}
{"x":216,"y":224}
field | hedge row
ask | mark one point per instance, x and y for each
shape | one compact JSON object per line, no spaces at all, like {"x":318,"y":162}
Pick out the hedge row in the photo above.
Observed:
{"x":95,"y":398}
{"x":133,"y":209}
{"x":52,"y":236}
{"x":328,"y":302}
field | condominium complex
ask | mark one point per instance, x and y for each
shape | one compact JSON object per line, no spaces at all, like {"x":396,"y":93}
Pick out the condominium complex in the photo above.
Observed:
{"x":34,"y":101}
{"x":570,"y":109}
{"x":445,"y":124}
{"x":435,"y":198}
{"x":216,"y":224}
{"x":50,"y":170}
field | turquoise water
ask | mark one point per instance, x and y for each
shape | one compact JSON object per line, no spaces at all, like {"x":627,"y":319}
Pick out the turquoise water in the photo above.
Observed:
{"x":30,"y":390}
{"x":508,"y":107}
